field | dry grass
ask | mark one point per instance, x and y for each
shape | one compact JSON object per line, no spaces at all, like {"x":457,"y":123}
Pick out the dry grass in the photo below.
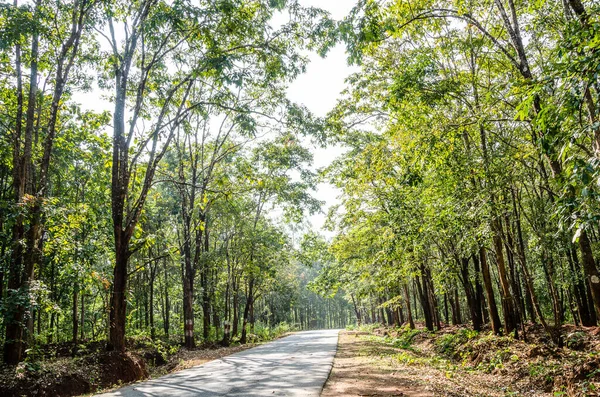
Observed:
{"x":457,"y":362}
{"x":358,"y":370}
{"x":185,"y":359}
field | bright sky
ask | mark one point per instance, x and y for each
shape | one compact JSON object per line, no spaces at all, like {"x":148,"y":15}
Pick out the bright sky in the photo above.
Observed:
{"x":318,"y":89}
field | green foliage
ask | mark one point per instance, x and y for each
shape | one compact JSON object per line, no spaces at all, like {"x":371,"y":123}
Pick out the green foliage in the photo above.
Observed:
{"x":447,"y":344}
{"x":405,"y":338}
{"x":264,"y":333}
{"x":209,"y":148}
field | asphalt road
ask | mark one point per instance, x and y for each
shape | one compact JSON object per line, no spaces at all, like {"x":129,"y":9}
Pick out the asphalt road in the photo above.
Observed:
{"x":297,"y":365}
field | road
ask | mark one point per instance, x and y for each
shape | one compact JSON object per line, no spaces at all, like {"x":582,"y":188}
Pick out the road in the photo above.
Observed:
{"x":297,"y":365}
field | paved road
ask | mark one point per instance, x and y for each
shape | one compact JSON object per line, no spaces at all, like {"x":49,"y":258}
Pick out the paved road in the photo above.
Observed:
{"x":297,"y":365}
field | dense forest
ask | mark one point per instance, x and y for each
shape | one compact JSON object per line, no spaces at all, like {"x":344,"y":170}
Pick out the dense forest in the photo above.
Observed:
{"x":469,"y":179}
{"x":470,"y":183}
{"x":169,"y":214}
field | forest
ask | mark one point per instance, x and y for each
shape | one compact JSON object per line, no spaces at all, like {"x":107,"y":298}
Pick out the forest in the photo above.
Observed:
{"x":156,"y":181}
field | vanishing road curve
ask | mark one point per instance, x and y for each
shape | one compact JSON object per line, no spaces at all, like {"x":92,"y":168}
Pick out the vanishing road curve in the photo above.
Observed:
{"x":297,"y":365}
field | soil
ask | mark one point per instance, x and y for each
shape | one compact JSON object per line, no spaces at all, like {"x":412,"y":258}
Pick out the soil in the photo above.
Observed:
{"x":61,"y":371}
{"x":456,"y":362}
{"x":190,"y":358}
{"x":72,"y":376}
{"x":357,"y":372}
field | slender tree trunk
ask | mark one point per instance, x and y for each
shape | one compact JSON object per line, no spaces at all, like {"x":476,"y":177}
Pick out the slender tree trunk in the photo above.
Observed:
{"x":205,"y":304}
{"x":188,"y":304}
{"x":433,"y":301}
{"x":514,"y":274}
{"x":251,"y":318}
{"x":508,"y":305}
{"x":487,"y":281}
{"x":21,"y":266}
{"x":167,"y":305}
{"x":356,"y":310}
{"x":584,"y":306}
{"x":588,"y":292}
{"x":146,"y":281}
{"x":249,"y":302}
{"x":236,"y":307}
{"x":51,"y":328}
{"x":424,"y":297}
{"x":456,"y":315}
{"x":480,"y":302}
{"x":75,"y":311}
{"x":151,"y":303}
{"x":591,"y":271}
{"x":548,"y":267}
{"x":446,"y":311}
{"x":82,"y":330}
{"x":472,"y":300}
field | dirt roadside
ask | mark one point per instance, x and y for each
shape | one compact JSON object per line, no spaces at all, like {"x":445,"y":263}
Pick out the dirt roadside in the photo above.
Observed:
{"x":459,"y":362}
{"x":358,"y":370}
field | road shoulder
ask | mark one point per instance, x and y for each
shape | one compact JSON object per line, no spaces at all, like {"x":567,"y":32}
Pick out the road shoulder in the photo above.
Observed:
{"x":359,"y":370}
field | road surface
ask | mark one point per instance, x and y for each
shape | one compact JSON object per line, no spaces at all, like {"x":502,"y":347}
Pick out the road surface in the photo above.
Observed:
{"x":297,"y":365}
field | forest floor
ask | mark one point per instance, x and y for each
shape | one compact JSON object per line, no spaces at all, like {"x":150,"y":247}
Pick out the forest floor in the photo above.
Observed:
{"x":458,"y":362}
{"x":66,"y":369}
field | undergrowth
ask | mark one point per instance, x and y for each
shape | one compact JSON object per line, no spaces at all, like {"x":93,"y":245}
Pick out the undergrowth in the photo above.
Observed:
{"x":264,"y":333}
{"x":463,"y":351}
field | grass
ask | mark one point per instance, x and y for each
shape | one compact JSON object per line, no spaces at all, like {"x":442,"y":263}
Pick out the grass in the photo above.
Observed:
{"x":464,"y":353}
{"x":263,"y":333}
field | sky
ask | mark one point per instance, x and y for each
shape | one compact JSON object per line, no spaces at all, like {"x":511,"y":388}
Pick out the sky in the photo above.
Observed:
{"x":318,"y":89}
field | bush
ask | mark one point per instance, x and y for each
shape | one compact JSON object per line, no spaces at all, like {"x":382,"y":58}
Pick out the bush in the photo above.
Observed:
{"x":447,"y":344}
{"x":365,"y":327}
{"x":405,"y":338}
{"x":263,"y":333}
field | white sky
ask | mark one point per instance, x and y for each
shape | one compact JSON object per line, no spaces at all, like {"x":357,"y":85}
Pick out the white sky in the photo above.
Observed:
{"x":318,"y":89}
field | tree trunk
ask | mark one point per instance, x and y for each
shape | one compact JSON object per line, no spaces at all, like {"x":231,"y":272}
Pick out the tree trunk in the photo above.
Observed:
{"x":226,"y":334}
{"x":205,"y":304}
{"x":167,"y":305}
{"x":472,"y":301}
{"x":480,"y":302}
{"x":249,"y":302}
{"x":508,"y":305}
{"x":585,"y":305}
{"x":489,"y":290}
{"x":151,"y":303}
{"x":82,"y":331}
{"x":236,"y":307}
{"x":188,"y":304}
{"x":589,"y":266}
{"x":118,"y":306}
{"x":424,"y":297}
{"x":456,"y":315}
{"x":21,"y":266}
{"x":75,"y":319}
{"x":514,"y":274}
{"x":446,"y":311}
{"x":356,"y":311}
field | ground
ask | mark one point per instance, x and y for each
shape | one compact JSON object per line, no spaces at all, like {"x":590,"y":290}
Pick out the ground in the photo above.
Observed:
{"x":370,"y":361}
{"x":358,"y":370}
{"x":61,"y":371}
{"x":458,"y":362}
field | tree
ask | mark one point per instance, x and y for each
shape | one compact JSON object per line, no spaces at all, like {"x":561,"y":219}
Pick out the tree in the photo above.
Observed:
{"x":50,"y":52}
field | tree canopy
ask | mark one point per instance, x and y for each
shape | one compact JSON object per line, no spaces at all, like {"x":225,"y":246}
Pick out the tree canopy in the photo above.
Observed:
{"x":469,"y":176}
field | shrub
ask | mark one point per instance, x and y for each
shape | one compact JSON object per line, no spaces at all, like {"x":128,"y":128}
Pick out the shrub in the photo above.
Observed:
{"x":448,"y":344}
